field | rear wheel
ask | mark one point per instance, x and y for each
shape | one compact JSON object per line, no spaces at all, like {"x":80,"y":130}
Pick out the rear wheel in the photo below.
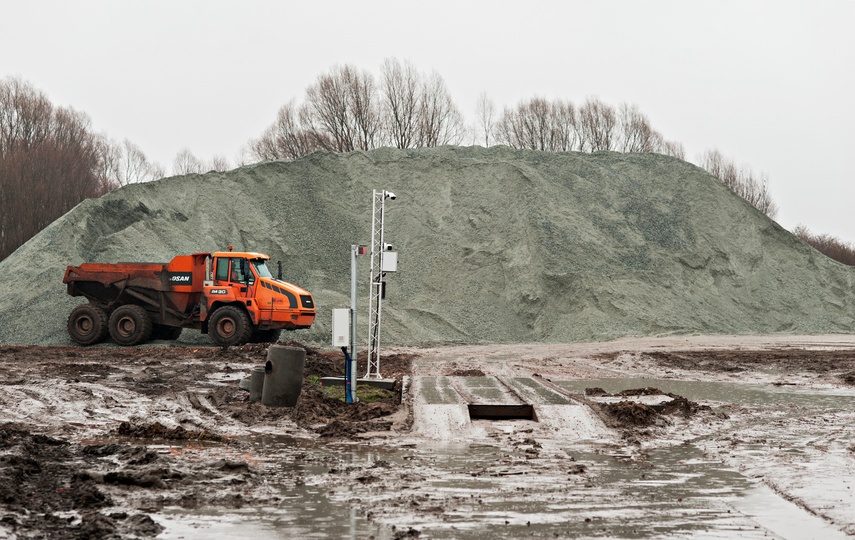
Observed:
{"x":229,"y":326}
{"x":87,"y":324}
{"x":130,"y":325}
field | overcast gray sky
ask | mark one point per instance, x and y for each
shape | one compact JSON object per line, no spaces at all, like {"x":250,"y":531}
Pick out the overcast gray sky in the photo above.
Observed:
{"x":769,"y":83}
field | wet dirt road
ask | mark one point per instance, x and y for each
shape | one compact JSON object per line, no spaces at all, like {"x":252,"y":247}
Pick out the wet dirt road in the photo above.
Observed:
{"x":705,"y":437}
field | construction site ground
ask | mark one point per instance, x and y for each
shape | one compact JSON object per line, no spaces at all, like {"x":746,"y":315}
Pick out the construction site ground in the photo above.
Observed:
{"x":708,"y":437}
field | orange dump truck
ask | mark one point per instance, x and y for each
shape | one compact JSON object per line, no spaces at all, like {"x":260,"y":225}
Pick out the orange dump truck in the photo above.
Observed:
{"x":231,"y":296}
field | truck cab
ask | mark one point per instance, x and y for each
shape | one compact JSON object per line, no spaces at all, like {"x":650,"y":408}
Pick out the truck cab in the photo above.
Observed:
{"x":243,"y":281}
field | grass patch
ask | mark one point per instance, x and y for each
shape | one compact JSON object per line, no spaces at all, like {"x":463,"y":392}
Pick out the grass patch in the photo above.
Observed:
{"x":364,"y":392}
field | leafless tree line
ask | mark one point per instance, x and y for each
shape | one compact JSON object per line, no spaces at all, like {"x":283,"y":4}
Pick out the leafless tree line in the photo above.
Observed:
{"x":50,"y":160}
{"x":559,"y":126}
{"x":741,"y":180}
{"x":185,"y":162}
{"x":347,"y":109}
{"x":828,"y":245}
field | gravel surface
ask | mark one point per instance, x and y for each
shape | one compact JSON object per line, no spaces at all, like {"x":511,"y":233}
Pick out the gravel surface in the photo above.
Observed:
{"x":496,"y":246}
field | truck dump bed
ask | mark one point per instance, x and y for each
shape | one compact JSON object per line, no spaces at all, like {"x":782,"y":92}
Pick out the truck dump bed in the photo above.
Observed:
{"x":176,"y":285}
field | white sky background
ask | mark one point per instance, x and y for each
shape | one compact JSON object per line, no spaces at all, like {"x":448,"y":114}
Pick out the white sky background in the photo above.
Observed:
{"x":769,"y":83}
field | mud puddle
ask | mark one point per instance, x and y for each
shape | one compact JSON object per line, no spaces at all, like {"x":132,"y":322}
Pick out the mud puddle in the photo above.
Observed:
{"x":754,"y":395}
{"x":296,"y":495}
{"x":477,"y":491}
{"x":461,"y":490}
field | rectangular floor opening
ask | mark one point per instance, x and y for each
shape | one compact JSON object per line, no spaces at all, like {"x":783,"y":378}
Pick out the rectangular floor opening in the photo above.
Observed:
{"x":501,"y":412}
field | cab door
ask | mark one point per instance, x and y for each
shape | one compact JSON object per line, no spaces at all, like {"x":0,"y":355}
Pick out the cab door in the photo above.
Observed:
{"x":235,"y":272}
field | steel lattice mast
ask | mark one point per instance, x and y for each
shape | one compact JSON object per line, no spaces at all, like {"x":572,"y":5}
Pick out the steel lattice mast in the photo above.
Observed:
{"x":375,"y":293}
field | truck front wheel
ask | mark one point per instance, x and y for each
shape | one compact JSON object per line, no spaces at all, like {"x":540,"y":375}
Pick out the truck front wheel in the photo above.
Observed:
{"x":87,"y":324}
{"x":130,"y":325}
{"x":229,"y":326}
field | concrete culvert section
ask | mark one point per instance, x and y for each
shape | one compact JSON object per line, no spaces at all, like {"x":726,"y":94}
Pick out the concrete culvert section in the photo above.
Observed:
{"x":496,"y":245}
{"x":283,"y":376}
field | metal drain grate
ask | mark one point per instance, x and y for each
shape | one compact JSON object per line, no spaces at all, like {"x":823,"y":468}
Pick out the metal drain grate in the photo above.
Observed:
{"x":501,"y":412}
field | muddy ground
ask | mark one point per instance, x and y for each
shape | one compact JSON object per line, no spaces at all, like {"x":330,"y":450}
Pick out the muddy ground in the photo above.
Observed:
{"x":109,"y":442}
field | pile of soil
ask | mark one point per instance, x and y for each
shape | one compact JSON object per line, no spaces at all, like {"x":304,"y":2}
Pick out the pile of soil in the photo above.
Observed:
{"x":580,"y":247}
{"x":630,"y":414}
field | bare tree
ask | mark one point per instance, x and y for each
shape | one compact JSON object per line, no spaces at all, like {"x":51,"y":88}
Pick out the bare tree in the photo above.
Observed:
{"x":187,"y":163}
{"x":219,"y":163}
{"x":343,"y":110}
{"x":565,"y":126}
{"x":328,"y":103}
{"x":673,"y":149}
{"x":400,"y":85}
{"x":286,"y":138}
{"x":740,"y":180}
{"x":597,"y":122}
{"x":636,"y":132}
{"x":124,"y":163}
{"x":440,"y":122}
{"x":538,"y":124}
{"x":486,"y":114}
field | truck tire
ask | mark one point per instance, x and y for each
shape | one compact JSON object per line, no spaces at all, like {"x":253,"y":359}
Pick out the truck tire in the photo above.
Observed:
{"x":229,"y":326}
{"x":168,"y":333}
{"x":265,"y":336}
{"x":87,"y":324}
{"x":130,"y":325}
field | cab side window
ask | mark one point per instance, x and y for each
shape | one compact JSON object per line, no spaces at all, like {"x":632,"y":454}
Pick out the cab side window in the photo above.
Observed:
{"x":222,"y":269}
{"x":240,"y":273}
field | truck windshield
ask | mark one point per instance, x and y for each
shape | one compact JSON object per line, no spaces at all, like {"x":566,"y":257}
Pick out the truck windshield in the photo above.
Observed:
{"x":261,"y":268}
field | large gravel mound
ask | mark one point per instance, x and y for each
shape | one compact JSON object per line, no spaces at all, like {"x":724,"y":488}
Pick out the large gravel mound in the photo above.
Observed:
{"x":495,"y":245}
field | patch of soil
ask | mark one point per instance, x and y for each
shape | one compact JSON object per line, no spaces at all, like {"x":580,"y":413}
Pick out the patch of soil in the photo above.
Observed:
{"x":813,"y":361}
{"x":157,"y":431}
{"x":334,"y":418}
{"x":467,"y":373}
{"x":45,"y":481}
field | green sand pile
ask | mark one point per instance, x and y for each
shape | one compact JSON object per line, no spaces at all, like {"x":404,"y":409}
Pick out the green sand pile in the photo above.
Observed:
{"x":495,"y":245}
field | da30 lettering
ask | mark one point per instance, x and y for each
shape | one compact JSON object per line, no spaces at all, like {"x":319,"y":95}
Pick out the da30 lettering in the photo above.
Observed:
{"x":219,"y":291}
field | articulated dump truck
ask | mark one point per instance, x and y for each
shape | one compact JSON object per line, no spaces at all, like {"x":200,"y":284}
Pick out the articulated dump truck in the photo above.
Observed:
{"x":231,"y":296}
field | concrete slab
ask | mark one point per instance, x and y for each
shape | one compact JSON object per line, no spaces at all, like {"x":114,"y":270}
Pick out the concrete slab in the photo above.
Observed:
{"x":436,"y":391}
{"x":532,"y":391}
